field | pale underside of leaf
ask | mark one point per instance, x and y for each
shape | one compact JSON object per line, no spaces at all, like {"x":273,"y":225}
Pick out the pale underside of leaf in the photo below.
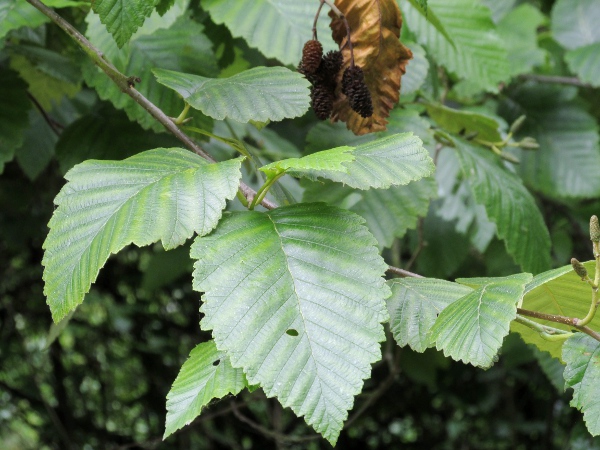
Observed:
{"x":325,"y":160}
{"x":161,"y":194}
{"x":260,"y":94}
{"x":415,"y":305}
{"x":582,"y":355}
{"x":295,"y":297}
{"x":206,"y":375}
{"x":472,"y":328}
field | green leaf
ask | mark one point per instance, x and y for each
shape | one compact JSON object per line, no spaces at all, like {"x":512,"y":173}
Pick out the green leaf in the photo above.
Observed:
{"x":582,"y":355}
{"x":38,"y":146}
{"x":421,"y":7}
{"x":65,"y":3}
{"x":259,"y":94}
{"x":15,"y":14}
{"x":389,"y":212}
{"x":390,"y":161}
{"x":585,"y":62}
{"x":416,"y":71}
{"x":475,"y":52}
{"x":508,"y":204}
{"x":518,"y":29}
{"x":295,"y":297}
{"x":455,"y":121}
{"x":561,"y":292}
{"x":14,"y":120}
{"x":181,"y":47}
{"x":568,"y":160}
{"x":207,"y":374}
{"x":123,"y":17}
{"x":105,"y":134}
{"x":472,"y":328}
{"x":161,"y":194}
{"x":415,"y":305}
{"x":575,"y":23}
{"x":326,"y":160}
{"x":278,"y":28}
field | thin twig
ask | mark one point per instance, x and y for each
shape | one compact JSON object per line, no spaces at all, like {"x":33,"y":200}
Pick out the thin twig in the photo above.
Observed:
{"x":570,"y":321}
{"x":571,"y":81}
{"x":53,"y":124}
{"x":403,"y":273}
{"x":341,"y":15}
{"x":126,"y":84}
{"x":314,"y":29}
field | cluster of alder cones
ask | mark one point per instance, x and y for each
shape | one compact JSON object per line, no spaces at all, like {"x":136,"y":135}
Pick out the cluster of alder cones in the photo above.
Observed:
{"x":322,"y":73}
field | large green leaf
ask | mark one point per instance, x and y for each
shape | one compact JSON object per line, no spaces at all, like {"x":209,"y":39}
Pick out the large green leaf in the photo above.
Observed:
{"x":575,"y":22}
{"x":561,"y":292}
{"x":327,"y":160}
{"x":472,"y":328}
{"x":260,"y":94}
{"x":508,"y":204}
{"x":416,"y":71}
{"x":161,"y":194}
{"x":568,"y":160}
{"x":14,"y":120}
{"x":15,"y":14}
{"x":206,"y":375}
{"x":123,"y":17}
{"x":456,"y":121}
{"x":278,"y":28}
{"x":585,"y":62}
{"x":295,"y":297}
{"x":582,"y":355}
{"x":415,"y":305}
{"x":390,"y":161}
{"x":518,"y":29}
{"x":181,"y":47}
{"x":476,"y":52}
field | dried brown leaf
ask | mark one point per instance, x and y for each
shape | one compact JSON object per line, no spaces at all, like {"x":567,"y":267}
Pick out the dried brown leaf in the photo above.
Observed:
{"x":375,"y":28}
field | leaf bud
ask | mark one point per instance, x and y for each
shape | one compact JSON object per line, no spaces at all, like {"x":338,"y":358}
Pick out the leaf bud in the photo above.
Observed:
{"x":579,"y":268}
{"x":529,"y":143}
{"x":594,"y":229}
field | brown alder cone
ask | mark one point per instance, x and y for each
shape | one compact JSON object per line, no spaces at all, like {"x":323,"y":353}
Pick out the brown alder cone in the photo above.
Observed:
{"x":375,"y":27}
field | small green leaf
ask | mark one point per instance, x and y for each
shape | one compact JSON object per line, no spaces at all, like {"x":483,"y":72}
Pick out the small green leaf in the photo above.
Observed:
{"x":416,"y":71}
{"x":259,"y":94}
{"x":390,"y":161}
{"x":575,"y":23}
{"x":475,"y":51}
{"x":14,"y":105}
{"x":278,"y":28}
{"x":327,"y":160}
{"x":561,"y":292}
{"x":508,"y":204}
{"x":123,"y":17}
{"x":466,"y":122}
{"x":295,"y":296}
{"x":38,"y":146}
{"x":472,"y":328}
{"x":582,"y":355}
{"x":415,"y":305}
{"x":585,"y":62}
{"x":161,"y":194}
{"x":207,"y":374}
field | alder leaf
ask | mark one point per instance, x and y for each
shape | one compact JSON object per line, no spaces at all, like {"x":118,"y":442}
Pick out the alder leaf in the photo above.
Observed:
{"x":415,"y":305}
{"x":508,"y":204}
{"x":207,"y":374}
{"x":162,"y":194}
{"x":295,"y":296}
{"x":390,"y":161}
{"x":259,"y":94}
{"x":559,"y":291}
{"x":326,"y":160}
{"x":15,"y":14}
{"x":582,"y":355}
{"x":457,"y":121}
{"x":123,"y":17}
{"x":375,"y":26}
{"x":472,"y":328}
{"x":585,"y":62}
{"x":14,"y":118}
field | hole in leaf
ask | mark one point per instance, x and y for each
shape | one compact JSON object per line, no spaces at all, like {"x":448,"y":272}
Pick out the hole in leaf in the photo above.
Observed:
{"x":292,"y":332}
{"x":216,"y":363}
